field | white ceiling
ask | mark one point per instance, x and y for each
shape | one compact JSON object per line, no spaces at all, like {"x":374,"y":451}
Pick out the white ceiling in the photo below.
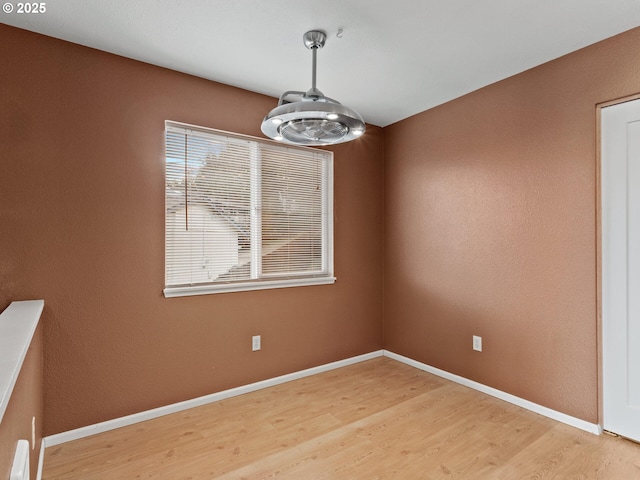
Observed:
{"x":393,"y":59}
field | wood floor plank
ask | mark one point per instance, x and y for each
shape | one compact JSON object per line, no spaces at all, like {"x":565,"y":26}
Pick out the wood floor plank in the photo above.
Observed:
{"x":378,"y":419}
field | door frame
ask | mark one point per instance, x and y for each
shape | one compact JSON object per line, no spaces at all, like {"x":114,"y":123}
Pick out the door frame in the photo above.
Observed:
{"x":599,"y":319}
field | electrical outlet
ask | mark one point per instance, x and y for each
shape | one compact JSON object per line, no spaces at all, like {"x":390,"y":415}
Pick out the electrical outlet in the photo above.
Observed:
{"x":477,"y":343}
{"x":255,"y":343}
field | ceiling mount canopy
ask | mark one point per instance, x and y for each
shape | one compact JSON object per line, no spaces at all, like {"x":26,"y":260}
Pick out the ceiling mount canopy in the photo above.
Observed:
{"x":310,"y":118}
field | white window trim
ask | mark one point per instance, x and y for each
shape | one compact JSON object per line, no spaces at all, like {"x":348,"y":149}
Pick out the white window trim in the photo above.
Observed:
{"x":171,"y":292}
{"x":262,"y":284}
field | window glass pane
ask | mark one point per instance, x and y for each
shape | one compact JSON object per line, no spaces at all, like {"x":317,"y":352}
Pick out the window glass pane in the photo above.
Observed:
{"x":208,"y":204}
{"x":291,"y":213}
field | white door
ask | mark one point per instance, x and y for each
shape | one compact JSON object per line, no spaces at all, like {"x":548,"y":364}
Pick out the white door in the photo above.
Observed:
{"x":621,"y":268}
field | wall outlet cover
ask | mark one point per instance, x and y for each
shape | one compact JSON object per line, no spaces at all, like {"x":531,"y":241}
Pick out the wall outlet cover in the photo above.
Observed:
{"x":477,"y":343}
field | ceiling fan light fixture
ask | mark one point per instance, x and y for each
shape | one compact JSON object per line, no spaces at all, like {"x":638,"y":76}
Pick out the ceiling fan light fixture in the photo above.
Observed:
{"x":310,"y":118}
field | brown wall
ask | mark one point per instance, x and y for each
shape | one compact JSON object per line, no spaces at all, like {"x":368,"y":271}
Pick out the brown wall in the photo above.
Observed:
{"x":25,"y":403}
{"x":82,"y":215}
{"x":490,"y":220}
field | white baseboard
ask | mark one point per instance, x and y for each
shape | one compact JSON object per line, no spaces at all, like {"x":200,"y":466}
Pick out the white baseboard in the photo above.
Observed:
{"x":507,"y":397}
{"x":215,"y":397}
{"x":196,"y":402}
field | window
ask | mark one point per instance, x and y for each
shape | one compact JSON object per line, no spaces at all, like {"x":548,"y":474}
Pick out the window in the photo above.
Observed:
{"x":244,"y":213}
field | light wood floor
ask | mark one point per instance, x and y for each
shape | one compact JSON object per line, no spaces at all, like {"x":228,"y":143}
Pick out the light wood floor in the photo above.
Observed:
{"x":379,"y":419}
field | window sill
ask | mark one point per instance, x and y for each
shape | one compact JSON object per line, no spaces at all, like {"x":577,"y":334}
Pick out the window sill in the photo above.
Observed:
{"x":186,"y":291}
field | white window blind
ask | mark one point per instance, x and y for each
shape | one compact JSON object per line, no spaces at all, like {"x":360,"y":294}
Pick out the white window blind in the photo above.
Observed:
{"x":243,"y":213}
